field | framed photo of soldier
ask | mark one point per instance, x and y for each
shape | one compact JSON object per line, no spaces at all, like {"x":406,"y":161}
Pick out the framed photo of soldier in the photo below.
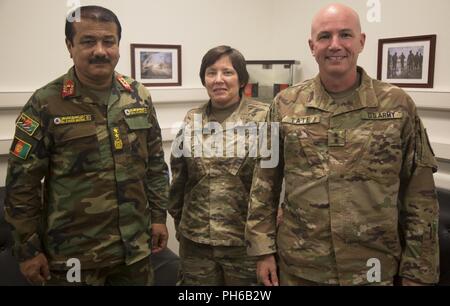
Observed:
{"x":156,"y":65}
{"x":407,"y":61}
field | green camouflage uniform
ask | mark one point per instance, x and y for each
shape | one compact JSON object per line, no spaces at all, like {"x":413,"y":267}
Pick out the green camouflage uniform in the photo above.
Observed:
{"x":209,"y":196}
{"x":359,"y":185}
{"x":137,"y":274}
{"x":105,"y":179}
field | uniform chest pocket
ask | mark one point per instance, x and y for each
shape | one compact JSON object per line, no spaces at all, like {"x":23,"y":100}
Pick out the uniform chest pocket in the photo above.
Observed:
{"x":76,"y":147}
{"x":231,"y":165}
{"x":138,"y":127}
{"x":197,"y":169}
{"x":244,"y":169}
{"x":381,"y":154}
{"x":138,"y":123}
{"x":65,"y":133}
{"x":235,"y":166}
{"x":305,"y":152}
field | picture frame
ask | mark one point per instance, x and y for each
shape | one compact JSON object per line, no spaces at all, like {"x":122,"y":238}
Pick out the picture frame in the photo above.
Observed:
{"x":407,"y":61}
{"x":156,"y":65}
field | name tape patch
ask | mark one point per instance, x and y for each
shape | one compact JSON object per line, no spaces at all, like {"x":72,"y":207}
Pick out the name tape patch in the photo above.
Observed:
{"x":72,"y":119}
{"x":129,"y":112}
{"x":305,"y":120}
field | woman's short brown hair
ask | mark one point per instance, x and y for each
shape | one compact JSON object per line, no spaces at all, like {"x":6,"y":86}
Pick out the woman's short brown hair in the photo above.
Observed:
{"x":236,"y":58}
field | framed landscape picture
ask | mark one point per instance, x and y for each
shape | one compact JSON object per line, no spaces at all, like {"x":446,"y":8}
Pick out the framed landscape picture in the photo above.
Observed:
{"x":156,"y":65}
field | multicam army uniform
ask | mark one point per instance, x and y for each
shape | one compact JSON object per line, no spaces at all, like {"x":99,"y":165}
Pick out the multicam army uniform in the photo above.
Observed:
{"x":209,"y":198}
{"x":359,"y":185}
{"x":105,"y":179}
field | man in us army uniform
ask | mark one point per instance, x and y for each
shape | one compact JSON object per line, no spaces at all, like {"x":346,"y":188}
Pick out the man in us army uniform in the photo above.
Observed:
{"x":93,"y":138}
{"x":360,"y":203}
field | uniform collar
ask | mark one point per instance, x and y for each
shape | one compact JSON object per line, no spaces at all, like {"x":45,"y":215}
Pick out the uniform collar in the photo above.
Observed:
{"x":365,"y":96}
{"x":72,"y":87}
{"x":239,"y":115}
{"x":121,"y":83}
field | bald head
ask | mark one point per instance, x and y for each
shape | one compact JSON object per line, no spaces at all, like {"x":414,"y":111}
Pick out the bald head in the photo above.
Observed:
{"x":335,"y":12}
{"x":336,"y":42}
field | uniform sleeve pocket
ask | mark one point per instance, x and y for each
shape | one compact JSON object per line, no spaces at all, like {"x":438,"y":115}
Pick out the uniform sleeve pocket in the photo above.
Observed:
{"x":425,"y":151}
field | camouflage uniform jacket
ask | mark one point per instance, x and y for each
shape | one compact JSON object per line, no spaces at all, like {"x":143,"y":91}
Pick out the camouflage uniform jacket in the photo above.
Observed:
{"x":359,"y":185}
{"x":209,"y":195}
{"x":105,"y":179}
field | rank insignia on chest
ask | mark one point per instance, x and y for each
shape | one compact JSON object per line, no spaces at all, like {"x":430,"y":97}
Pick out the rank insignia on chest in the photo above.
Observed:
{"x":68,"y":89}
{"x":21,"y":148}
{"x":27,"y":124}
{"x":72,"y":119}
{"x":124,"y":83}
{"x":304,"y":120}
{"x":118,"y":144}
{"x":129,"y":112}
{"x":336,"y":138}
{"x":381,"y":115}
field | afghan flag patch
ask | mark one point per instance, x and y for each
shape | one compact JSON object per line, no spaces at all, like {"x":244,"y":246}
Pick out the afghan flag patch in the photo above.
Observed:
{"x":21,"y":148}
{"x":27,"y":124}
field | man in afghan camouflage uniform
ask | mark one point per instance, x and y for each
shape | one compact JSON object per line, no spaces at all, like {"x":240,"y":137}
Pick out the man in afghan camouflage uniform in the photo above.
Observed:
{"x":93,"y":137}
{"x":360,"y":203}
{"x":211,"y":178}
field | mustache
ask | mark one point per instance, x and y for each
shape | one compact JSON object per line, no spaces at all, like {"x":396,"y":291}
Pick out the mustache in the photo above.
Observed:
{"x":99,"y":60}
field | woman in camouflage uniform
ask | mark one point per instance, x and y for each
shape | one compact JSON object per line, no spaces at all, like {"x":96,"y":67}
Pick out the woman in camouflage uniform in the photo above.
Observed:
{"x":211,"y":181}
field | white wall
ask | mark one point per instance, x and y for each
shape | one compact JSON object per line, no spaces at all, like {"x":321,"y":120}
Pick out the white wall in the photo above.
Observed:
{"x":33,"y":50}
{"x":33,"y":31}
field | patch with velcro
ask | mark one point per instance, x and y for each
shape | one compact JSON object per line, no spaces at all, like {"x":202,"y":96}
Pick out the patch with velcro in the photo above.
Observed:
{"x":305,"y":120}
{"x":72,"y":119}
{"x":27,"y":124}
{"x":381,"y":115}
{"x":135,"y":111}
{"x":118,"y":144}
{"x":21,"y":148}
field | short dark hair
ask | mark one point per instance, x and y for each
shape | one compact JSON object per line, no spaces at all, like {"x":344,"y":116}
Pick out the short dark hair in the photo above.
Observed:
{"x":92,"y":12}
{"x":237,"y":60}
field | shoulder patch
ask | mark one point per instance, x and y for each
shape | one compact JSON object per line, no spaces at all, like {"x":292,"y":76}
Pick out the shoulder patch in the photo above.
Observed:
{"x":27,"y":124}
{"x":20,"y":148}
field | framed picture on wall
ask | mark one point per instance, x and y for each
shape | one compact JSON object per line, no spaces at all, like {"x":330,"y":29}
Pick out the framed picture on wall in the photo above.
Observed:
{"x":407,"y":61}
{"x":156,"y":65}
